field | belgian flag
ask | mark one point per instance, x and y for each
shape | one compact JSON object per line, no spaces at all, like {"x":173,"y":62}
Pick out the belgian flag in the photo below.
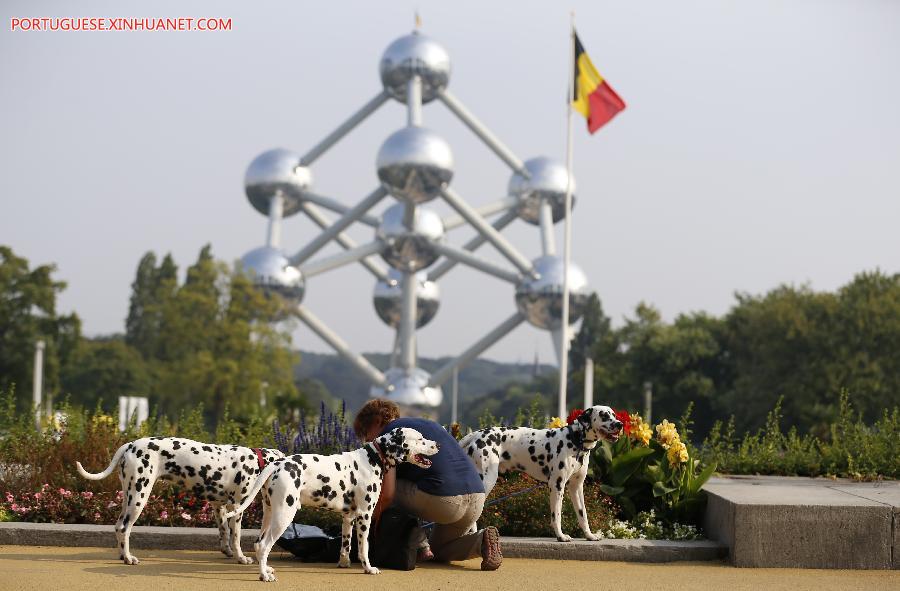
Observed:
{"x":592,"y":96}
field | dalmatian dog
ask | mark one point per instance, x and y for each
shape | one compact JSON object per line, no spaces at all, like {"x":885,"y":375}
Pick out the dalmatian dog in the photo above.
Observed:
{"x":348,"y":483}
{"x":558,"y":457}
{"x":220,"y":474}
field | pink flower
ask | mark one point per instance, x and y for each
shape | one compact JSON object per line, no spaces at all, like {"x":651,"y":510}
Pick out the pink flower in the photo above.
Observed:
{"x":164,"y":514}
{"x":9,"y":497}
{"x":96,"y":516}
{"x":45,"y":486}
{"x":37,"y":496}
{"x":185,"y":516}
{"x":112,"y":505}
{"x":87,"y":494}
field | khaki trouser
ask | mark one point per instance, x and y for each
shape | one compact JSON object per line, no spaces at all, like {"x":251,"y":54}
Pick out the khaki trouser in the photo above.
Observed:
{"x":453,"y":517}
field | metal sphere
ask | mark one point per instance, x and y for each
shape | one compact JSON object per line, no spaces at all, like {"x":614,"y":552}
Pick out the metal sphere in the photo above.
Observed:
{"x":414,"y":164}
{"x":389,"y":295}
{"x":277,"y":172}
{"x":540,"y":300}
{"x":409,"y":249}
{"x":547,"y":180}
{"x":410,"y":55}
{"x":270,"y":271}
{"x":408,"y":388}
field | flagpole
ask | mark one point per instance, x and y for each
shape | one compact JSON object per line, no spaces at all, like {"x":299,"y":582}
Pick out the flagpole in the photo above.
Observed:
{"x":567,"y":241}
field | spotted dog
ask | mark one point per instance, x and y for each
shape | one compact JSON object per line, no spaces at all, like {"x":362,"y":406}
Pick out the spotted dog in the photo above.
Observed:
{"x":220,"y":474}
{"x":558,"y":457}
{"x":347,"y":483}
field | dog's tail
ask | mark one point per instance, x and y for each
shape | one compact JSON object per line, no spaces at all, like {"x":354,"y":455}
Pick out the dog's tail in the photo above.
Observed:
{"x":109,"y":469}
{"x":251,"y":494}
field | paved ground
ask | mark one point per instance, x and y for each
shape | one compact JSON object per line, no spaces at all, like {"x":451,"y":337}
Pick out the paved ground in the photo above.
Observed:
{"x":44,"y":568}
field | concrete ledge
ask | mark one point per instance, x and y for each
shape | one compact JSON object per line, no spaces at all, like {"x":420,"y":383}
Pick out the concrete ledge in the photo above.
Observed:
{"x":618,"y":550}
{"x":805,"y":522}
{"x":190,"y":538}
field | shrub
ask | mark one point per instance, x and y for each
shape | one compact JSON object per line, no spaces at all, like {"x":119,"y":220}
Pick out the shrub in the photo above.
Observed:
{"x":852,"y":449}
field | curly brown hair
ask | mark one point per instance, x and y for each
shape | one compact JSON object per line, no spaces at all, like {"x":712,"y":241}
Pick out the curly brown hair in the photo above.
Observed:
{"x":376,"y":410}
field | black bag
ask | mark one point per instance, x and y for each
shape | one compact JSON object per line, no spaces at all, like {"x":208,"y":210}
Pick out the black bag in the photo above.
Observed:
{"x":307,"y":542}
{"x":393,"y":546}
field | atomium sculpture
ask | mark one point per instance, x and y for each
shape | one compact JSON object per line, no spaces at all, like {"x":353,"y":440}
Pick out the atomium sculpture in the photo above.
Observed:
{"x":414,"y":166}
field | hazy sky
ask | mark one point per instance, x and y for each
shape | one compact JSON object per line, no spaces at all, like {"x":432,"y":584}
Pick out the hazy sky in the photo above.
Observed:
{"x":761,"y":145}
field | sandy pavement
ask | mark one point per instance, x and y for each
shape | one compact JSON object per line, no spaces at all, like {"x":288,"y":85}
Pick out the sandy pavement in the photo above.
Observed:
{"x":48,"y":568}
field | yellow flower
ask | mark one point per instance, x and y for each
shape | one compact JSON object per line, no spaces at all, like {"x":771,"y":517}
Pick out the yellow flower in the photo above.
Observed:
{"x":642,"y":432}
{"x":103,"y":421}
{"x":666,"y":434}
{"x":639,"y":430}
{"x":556,"y":423}
{"x":677,"y":453}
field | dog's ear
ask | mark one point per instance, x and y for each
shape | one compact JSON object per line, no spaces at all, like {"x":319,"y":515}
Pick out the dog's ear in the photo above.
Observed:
{"x":586,"y":417}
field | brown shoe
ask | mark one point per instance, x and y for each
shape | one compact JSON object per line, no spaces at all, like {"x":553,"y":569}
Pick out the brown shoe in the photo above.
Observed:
{"x":491,"y":556}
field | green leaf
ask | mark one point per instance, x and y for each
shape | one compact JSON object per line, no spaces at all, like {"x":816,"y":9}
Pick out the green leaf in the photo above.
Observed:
{"x":701,"y":478}
{"x":605,"y":452}
{"x":660,"y":490}
{"x":612,"y":490}
{"x":623,"y":470}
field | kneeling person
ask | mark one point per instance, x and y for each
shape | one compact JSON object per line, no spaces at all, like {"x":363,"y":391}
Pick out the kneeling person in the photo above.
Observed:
{"x":449,"y":493}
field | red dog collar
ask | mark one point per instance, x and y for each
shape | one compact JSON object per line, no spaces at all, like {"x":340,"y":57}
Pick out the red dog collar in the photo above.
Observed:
{"x":259,"y":458}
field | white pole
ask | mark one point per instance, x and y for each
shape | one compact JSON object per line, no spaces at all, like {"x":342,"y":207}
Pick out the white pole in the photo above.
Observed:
{"x":38,"y":381}
{"x":567,"y":242}
{"x":648,"y":402}
{"x":454,"y":408}
{"x":588,"y":383}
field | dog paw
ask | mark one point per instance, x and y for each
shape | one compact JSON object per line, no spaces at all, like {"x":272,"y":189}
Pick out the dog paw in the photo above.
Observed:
{"x":267,"y":577}
{"x":270,"y":570}
{"x":564,"y":538}
{"x":592,"y":536}
{"x":344,"y":562}
{"x":245,"y":560}
{"x":372,"y":571}
{"x":131,"y":560}
{"x":227,"y":552}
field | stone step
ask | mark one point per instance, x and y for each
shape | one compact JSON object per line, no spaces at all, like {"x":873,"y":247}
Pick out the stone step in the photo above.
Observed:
{"x":201,"y":538}
{"x":771,"y":521}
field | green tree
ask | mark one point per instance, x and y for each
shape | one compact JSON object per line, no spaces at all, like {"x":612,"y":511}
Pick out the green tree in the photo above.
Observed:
{"x":140,"y":328}
{"x":808,"y":346}
{"x":101,"y":370}
{"x":216,"y":346}
{"x":27,"y":314}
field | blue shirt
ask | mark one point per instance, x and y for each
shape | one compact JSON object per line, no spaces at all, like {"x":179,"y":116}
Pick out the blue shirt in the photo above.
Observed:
{"x":451,"y":472}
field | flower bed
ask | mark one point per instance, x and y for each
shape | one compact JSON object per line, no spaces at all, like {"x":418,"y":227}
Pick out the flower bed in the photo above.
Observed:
{"x":528,"y":514}
{"x":38,"y":482}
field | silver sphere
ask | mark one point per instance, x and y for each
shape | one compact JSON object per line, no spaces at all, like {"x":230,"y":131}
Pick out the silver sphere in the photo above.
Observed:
{"x":410,"y":55}
{"x":540,"y":300}
{"x":414,"y":164}
{"x":405,"y":249}
{"x":408,"y":388}
{"x":389,"y":296}
{"x":271,"y":271}
{"x":547,"y":180}
{"x":277,"y":172}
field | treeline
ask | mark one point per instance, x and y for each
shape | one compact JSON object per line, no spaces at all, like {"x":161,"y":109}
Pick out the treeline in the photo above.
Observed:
{"x":201,"y":341}
{"x":793,"y":342}
{"x":206,"y":340}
